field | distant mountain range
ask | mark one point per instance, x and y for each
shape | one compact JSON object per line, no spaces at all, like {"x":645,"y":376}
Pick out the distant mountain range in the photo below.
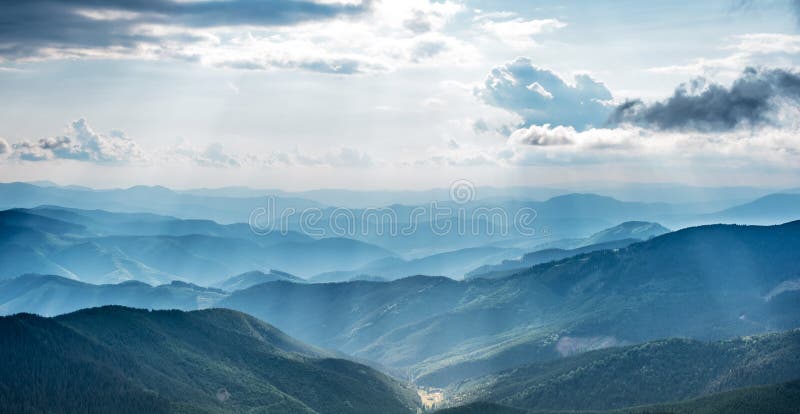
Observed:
{"x":88,"y":248}
{"x":451,"y":264}
{"x":615,"y":237}
{"x":55,"y":295}
{"x":156,"y":199}
{"x":255,"y":277}
{"x":770,"y":209}
{"x":122,"y":360}
{"x":646,"y":192}
{"x":559,"y":216}
{"x":510,"y":267}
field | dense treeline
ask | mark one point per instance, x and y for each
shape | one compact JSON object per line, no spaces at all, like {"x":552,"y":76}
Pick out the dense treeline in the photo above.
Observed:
{"x":122,"y":360}
{"x":651,"y":373}
{"x":773,"y":399}
{"x":48,"y":368}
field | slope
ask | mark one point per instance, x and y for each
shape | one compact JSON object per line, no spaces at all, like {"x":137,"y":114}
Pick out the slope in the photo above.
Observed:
{"x":213,"y":361}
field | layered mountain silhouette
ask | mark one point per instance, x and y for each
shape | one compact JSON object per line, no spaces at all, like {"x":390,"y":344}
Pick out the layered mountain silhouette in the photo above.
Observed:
{"x":147,"y":199}
{"x":255,"y":277}
{"x":453,"y":264}
{"x":408,"y":229}
{"x":707,"y":282}
{"x":615,"y":237}
{"x":770,"y":209}
{"x":55,"y":295}
{"x":89,"y":249}
{"x":582,"y":315}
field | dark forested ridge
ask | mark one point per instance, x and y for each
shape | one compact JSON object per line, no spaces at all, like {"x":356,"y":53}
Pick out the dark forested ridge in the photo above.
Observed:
{"x":124,"y":360}
{"x":655,"y":372}
{"x":773,"y":399}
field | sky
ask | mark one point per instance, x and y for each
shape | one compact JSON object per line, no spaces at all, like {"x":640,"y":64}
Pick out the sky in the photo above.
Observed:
{"x":391,"y":94}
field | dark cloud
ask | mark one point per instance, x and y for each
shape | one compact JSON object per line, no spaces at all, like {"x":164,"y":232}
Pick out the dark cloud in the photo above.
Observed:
{"x":540,"y":96}
{"x":30,"y":27}
{"x":751,"y":100}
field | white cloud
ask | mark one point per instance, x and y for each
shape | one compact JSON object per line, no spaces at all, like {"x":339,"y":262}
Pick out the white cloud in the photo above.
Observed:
{"x":754,"y":49}
{"x":215,"y":156}
{"x":5,"y":148}
{"x":82,"y":143}
{"x":340,"y":157}
{"x":541,"y":96}
{"x":543,"y":135}
{"x":769,"y":147}
{"x":515,"y":31}
{"x":538,"y":88}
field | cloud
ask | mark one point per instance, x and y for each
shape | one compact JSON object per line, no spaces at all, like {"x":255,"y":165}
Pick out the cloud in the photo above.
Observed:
{"x":751,"y":49}
{"x":419,"y":22}
{"x":341,"y":157}
{"x":768,"y":148}
{"x":5,"y":148}
{"x":32,"y":28}
{"x":540,"y":96}
{"x":755,"y":98}
{"x":543,"y":135}
{"x":215,"y":156}
{"x":333,"y":37}
{"x":427,"y":49}
{"x":81,"y":143}
{"x":513,"y":30}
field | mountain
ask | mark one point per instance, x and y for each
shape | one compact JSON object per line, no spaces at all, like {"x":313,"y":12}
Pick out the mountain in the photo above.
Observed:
{"x":54,"y":295}
{"x":413,"y":230}
{"x":586,"y":205}
{"x":770,"y":209}
{"x":707,"y":282}
{"x":639,"y":230}
{"x":157,"y":200}
{"x":199,"y":252}
{"x":775,"y":399}
{"x":105,"y":223}
{"x":123,"y":360}
{"x":655,"y":372}
{"x":621,"y":235}
{"x":255,"y":277}
{"x":510,"y":267}
{"x":451,"y":264}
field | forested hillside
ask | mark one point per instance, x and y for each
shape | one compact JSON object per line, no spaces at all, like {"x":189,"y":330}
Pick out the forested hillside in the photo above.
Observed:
{"x":116,"y":359}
